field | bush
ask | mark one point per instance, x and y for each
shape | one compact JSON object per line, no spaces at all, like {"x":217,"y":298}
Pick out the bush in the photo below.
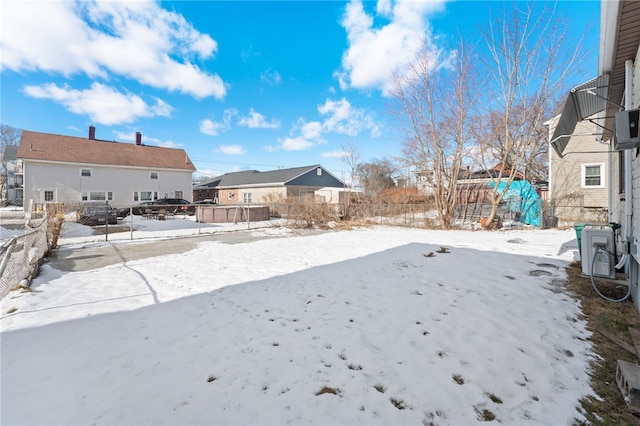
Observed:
{"x":55,"y":218}
{"x":307,"y":213}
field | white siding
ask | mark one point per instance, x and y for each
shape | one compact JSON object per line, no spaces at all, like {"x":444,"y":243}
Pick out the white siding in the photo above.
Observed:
{"x":635,"y":271}
{"x":260,"y":195}
{"x":329,"y":195}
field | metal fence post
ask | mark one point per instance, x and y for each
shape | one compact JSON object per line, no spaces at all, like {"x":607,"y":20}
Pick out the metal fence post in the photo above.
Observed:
{"x":131,"y":221}
{"x":7,"y":254}
{"x":106,"y":222}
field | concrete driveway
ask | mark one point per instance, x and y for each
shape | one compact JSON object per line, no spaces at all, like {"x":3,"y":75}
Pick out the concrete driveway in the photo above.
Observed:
{"x":87,"y":258}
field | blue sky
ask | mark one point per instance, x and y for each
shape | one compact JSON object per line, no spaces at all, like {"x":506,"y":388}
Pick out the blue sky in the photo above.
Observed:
{"x":237,"y":84}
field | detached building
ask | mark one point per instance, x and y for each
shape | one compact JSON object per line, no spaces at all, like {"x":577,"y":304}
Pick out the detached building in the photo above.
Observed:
{"x":68,"y":170}
{"x":252,"y":186}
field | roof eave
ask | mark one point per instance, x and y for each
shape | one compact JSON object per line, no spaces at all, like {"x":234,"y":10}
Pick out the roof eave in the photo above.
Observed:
{"x":119,"y":166}
{"x":609,"y":27}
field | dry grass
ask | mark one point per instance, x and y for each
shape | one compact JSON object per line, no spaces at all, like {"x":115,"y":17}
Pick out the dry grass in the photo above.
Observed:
{"x":614,"y":318}
{"x":329,"y":390}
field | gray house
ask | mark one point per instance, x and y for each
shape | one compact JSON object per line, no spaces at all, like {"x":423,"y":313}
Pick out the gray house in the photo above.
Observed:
{"x":68,"y":170}
{"x":252,"y":186}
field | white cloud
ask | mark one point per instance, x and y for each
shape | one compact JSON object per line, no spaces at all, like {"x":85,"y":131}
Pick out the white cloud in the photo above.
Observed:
{"x":247,"y":53}
{"x":338,"y":117}
{"x":337,"y":112}
{"x":271,"y":77}
{"x":231,"y":150}
{"x":312,"y":130}
{"x":343,"y":119}
{"x":206,"y":174}
{"x":137,"y":40}
{"x":103,"y":104}
{"x":375,"y":53}
{"x":296,"y":144}
{"x":335,"y":154}
{"x":166,"y":144}
{"x":213,"y":128}
{"x":146,"y":140}
{"x":255,"y":120}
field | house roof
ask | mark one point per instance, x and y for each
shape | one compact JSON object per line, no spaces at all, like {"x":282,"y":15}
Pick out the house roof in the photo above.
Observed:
{"x":254,"y":177}
{"x":10,"y":153}
{"x":70,"y":149}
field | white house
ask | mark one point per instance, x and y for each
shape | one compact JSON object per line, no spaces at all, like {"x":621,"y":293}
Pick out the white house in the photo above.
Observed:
{"x":620,"y":59}
{"x":69,"y":170}
{"x":12,"y":178}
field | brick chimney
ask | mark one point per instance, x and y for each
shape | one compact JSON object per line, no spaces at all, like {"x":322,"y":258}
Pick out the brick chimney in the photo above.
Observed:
{"x":138,"y":138}
{"x":92,"y":133}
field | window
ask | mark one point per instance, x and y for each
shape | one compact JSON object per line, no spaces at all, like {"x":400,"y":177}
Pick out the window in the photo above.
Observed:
{"x":145,"y":196}
{"x":97,"y":196}
{"x":48,"y":195}
{"x":593,"y":175}
{"x":246,"y":197}
{"x":178,"y":194}
{"x":319,"y":171}
{"x":85,"y":172}
{"x":153,"y":175}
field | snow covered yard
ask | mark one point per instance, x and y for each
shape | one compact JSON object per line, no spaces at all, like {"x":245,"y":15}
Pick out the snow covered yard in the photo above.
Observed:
{"x":372,"y":326}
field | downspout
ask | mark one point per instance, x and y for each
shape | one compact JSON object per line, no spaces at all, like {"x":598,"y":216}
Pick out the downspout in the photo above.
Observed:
{"x":628,"y":178}
{"x":610,"y":184}
{"x":628,"y":188}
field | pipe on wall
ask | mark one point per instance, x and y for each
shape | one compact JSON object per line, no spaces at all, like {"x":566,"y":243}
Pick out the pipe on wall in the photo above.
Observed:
{"x":632,"y":265}
{"x":628,"y":159}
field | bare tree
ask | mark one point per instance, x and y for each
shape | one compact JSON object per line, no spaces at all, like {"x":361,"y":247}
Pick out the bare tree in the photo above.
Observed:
{"x":350,"y":159}
{"x":376,"y":176}
{"x":526,"y":65}
{"x":9,"y":137}
{"x":433,"y":104}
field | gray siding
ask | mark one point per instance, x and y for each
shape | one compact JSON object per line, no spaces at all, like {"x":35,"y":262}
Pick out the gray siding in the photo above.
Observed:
{"x":68,"y":184}
{"x":311,"y":179}
{"x":574,"y":201}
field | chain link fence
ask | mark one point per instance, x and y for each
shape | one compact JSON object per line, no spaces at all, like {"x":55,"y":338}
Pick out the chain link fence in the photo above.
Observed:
{"x":157,"y":222}
{"x":513,"y":211}
{"x":20,"y":256}
{"x":567,"y":211}
{"x":65,"y":226}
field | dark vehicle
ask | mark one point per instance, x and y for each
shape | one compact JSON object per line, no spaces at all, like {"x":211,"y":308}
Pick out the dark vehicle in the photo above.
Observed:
{"x":124,"y":212}
{"x":174,"y":205}
{"x":205,"y":202}
{"x":96,"y":213}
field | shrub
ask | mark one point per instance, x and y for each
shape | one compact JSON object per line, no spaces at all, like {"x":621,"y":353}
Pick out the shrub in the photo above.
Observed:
{"x":307,"y":213}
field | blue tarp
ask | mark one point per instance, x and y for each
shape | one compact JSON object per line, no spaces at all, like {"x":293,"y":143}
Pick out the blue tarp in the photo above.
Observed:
{"x":521,"y":197}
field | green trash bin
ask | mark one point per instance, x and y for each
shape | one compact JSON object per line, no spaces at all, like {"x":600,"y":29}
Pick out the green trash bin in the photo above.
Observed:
{"x":579,"y":227}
